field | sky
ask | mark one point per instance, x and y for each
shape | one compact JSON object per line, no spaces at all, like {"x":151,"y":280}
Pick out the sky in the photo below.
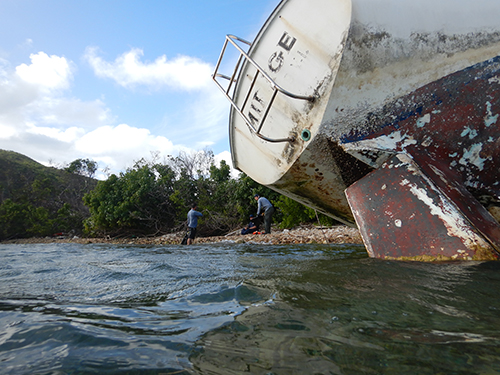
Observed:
{"x":115,"y":81}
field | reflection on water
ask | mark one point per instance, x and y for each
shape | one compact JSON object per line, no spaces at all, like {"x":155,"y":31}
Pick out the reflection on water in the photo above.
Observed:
{"x":366,"y":316}
{"x":240,"y":308}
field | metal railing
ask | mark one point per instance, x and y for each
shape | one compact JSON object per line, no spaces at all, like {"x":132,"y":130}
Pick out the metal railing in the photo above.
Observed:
{"x":259,"y":71}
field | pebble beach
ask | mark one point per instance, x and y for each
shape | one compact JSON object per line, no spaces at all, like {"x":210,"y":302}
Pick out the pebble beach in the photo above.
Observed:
{"x":323,"y":235}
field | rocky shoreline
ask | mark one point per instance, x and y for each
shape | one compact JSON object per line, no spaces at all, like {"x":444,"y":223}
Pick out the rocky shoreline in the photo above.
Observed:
{"x":324,"y":235}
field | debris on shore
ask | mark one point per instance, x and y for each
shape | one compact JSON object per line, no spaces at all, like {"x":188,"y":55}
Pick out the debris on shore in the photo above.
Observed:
{"x":300,"y":235}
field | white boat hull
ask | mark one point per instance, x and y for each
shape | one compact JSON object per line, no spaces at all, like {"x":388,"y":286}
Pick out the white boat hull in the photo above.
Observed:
{"x":361,"y":60}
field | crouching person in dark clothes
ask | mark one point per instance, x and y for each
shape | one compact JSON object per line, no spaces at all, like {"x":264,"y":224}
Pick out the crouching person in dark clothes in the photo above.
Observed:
{"x":267,"y":209}
{"x":192,"y":218}
{"x":253,"y":225}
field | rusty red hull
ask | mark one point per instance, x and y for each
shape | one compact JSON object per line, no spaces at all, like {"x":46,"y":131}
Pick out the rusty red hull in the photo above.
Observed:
{"x":403,"y":215}
{"x":449,"y":130}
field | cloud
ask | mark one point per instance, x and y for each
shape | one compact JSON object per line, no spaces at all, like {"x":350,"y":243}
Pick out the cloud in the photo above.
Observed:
{"x":39,"y":120}
{"x":63,"y":111}
{"x":182,"y":73}
{"x":47,"y":72}
{"x":67,"y":135}
{"x":39,"y":117}
{"x":125,"y":143}
{"x":35,"y":94}
{"x":203,"y":122}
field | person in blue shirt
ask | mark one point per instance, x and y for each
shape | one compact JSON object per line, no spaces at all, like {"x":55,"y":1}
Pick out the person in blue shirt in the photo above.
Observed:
{"x":264,"y":207}
{"x":192,"y":218}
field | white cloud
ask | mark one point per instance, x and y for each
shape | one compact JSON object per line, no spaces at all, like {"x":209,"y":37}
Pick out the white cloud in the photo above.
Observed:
{"x":68,"y":111}
{"x":68,"y":135}
{"x":6,"y":131}
{"x":183,"y":72}
{"x":34,"y":94}
{"x":40,"y":119}
{"x":224,"y":155}
{"x":47,"y":72}
{"x":28,"y":42}
{"x":124,"y":143}
{"x":203,"y":123}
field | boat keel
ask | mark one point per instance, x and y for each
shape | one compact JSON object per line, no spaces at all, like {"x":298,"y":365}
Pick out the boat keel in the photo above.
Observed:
{"x":404,"y":213}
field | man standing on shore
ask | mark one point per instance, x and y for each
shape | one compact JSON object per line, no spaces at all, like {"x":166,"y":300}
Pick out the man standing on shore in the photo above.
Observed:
{"x":267,"y":209}
{"x":192,"y":218}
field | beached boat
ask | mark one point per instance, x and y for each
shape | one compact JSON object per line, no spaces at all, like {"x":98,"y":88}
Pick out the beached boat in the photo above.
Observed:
{"x":380,"y":113}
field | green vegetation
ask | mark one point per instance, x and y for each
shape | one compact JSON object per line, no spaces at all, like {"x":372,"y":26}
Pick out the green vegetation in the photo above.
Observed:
{"x":83,"y":167}
{"x":37,"y":200}
{"x":297,"y":213}
{"x":151,"y":198}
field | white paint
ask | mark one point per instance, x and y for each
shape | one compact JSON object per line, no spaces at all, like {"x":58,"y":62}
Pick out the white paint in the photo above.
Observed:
{"x":427,"y":141}
{"x":495,"y":79}
{"x":490,"y":119}
{"x":453,"y":220}
{"x":472,"y":156}
{"x":389,"y":142}
{"x":439,"y":173}
{"x":472,"y":133}
{"x":424,"y":120}
{"x":404,"y":17}
{"x":302,"y":57}
{"x":352,"y":79}
{"x":446,"y":213}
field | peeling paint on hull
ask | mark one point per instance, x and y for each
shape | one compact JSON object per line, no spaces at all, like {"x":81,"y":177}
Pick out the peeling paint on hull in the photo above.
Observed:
{"x":453,"y":120}
{"x":397,"y":206}
{"x":387,"y":79}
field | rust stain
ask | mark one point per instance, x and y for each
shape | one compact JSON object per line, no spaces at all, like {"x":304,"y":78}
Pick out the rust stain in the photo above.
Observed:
{"x":403,"y":215}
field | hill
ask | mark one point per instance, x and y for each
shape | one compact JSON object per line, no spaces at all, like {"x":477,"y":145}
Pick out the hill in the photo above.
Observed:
{"x":39,"y":200}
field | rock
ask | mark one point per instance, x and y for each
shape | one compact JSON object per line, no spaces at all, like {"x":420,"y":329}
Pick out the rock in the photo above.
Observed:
{"x":338,"y":234}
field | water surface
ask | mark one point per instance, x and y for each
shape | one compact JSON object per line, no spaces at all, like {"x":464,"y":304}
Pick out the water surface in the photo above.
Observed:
{"x":243,"y":308}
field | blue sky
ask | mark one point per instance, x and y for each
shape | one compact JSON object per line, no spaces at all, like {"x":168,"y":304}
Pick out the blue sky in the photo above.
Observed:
{"x":116,"y":80}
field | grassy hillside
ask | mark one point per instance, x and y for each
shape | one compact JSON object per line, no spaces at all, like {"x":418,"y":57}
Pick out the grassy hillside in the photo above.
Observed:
{"x":39,"y":200}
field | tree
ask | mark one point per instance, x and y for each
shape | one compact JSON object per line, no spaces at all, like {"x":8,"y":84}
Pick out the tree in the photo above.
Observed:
{"x":193,"y":165}
{"x":191,"y":171}
{"x":136,"y":202}
{"x":294,"y":213}
{"x":13,"y":219}
{"x":83,"y":167}
{"x":216,"y":193}
{"x":152,"y":198}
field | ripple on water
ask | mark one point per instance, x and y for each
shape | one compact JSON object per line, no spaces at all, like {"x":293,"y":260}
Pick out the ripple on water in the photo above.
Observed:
{"x":233,"y":308}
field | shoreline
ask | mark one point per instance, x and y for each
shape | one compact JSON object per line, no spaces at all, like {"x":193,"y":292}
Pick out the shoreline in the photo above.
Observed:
{"x":301,"y":235}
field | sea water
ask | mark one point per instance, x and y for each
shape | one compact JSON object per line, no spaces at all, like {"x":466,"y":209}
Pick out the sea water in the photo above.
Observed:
{"x":243,"y":308}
